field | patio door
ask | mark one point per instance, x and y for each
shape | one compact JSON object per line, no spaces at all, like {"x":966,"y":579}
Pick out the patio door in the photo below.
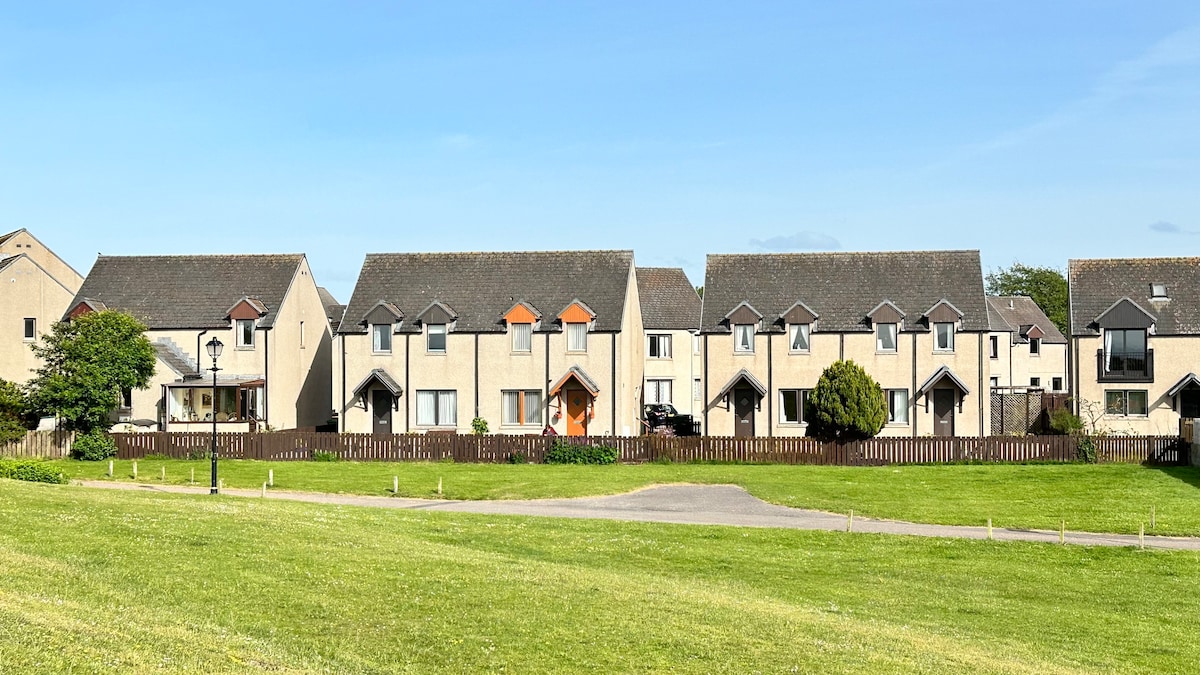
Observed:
{"x":743,"y":412}
{"x":381,"y":411}
{"x":943,"y":412}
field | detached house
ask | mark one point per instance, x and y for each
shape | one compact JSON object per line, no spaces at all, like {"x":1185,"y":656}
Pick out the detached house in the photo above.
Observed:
{"x":916,"y":321}
{"x":521,"y":340}
{"x":35,"y":288}
{"x":1025,"y":348}
{"x":671,"y":321}
{"x":265,"y":309}
{"x":1135,"y":342}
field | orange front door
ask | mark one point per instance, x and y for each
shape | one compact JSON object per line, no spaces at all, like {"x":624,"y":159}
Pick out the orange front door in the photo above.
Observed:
{"x":577,"y":400}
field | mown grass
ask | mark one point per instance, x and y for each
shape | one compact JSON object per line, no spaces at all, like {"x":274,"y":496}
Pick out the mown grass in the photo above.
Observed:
{"x":99,"y":581}
{"x":1089,"y":497}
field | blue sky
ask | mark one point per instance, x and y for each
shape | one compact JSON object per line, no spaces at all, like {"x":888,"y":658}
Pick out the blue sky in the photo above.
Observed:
{"x":1032,"y":131}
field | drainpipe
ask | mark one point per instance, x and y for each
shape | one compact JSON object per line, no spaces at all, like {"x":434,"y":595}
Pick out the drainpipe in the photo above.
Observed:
{"x":266,"y":377}
{"x":198,"y":336}
{"x":342,"y":409}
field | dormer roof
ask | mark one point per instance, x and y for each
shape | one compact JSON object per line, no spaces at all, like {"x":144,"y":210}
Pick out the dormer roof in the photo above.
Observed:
{"x":437,"y":312}
{"x":943,"y":312}
{"x":743,"y":313}
{"x":886,"y":312}
{"x":383,"y":312}
{"x":799,"y":313}
{"x":522,"y":312}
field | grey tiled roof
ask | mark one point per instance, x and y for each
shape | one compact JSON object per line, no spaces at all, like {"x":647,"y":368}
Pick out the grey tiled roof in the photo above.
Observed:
{"x":1024,"y":312}
{"x":1096,"y":284}
{"x":175,"y":358}
{"x":843,"y":287}
{"x":189,"y":291}
{"x":668,"y":299}
{"x":481,"y":287}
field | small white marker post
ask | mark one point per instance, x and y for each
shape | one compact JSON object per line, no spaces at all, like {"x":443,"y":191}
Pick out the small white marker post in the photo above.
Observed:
{"x":439,"y":486}
{"x":1152,"y":516}
{"x":1142,"y":536}
{"x":1062,"y":532}
{"x":271,"y":477}
{"x":192,"y":480}
{"x":135,"y":469}
{"x":989,"y":529}
{"x":395,"y":485}
{"x":264,"y":494}
{"x":110,"y":463}
{"x":850,"y":522}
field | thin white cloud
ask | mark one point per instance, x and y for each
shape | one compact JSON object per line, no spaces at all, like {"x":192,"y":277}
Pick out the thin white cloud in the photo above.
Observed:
{"x":1163,"y":227}
{"x":801,"y":241}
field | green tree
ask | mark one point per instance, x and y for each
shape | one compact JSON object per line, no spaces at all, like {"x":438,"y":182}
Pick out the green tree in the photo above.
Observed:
{"x":87,"y":362}
{"x":14,"y":409}
{"x":847,"y":404}
{"x":1046,"y":285}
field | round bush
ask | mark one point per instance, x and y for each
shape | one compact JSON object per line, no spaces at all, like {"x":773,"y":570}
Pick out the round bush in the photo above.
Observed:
{"x":93,"y":446}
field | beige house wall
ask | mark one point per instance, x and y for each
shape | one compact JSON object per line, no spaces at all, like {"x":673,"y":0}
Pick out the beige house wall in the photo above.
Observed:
{"x":1001,"y":367}
{"x":27,"y":291}
{"x":1174,"y":357}
{"x":1015,"y":365}
{"x":499,"y":369}
{"x":892,"y":370}
{"x":681,"y":369}
{"x":298,"y":377}
{"x":24,"y":242}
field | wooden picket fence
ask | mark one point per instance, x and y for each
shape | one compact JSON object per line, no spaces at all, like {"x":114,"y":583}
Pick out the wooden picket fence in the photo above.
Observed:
{"x":40,"y":445}
{"x":289,"y":445}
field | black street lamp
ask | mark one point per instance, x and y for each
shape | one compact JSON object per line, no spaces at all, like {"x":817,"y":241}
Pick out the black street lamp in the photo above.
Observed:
{"x":214,"y":350}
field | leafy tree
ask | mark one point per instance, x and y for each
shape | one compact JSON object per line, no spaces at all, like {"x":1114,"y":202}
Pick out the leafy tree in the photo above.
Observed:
{"x":87,"y":362}
{"x":1046,"y":285}
{"x":14,"y":410}
{"x":847,"y":404}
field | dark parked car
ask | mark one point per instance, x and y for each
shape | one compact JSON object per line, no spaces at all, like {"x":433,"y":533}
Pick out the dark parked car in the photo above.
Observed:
{"x":663,"y":418}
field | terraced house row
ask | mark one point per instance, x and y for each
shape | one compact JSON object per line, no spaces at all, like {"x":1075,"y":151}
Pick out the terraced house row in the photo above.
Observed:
{"x":579,"y":342}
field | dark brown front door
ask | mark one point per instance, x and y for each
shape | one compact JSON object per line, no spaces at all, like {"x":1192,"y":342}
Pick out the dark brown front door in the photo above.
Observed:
{"x":743,"y":412}
{"x":943,"y":412}
{"x":381,"y":411}
{"x":577,"y":400}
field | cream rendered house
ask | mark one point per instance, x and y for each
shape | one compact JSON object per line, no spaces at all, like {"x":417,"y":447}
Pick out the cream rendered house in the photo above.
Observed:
{"x":265,"y":309}
{"x":35,"y":288}
{"x":1135,"y":342}
{"x":522,"y":340}
{"x":671,"y":320}
{"x":915,"y":321}
{"x":1025,"y":348}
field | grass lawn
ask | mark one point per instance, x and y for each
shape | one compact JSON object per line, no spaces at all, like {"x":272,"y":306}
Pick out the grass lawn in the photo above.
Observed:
{"x":99,"y":581}
{"x":1093,"y":498}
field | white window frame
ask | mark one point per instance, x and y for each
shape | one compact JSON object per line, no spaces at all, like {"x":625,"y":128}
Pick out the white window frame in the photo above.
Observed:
{"x":522,"y":397}
{"x":995,"y":381}
{"x":695,"y":343}
{"x":432,"y":329}
{"x":893,"y":329}
{"x":943,"y":329}
{"x":379,"y":331}
{"x":658,"y":385}
{"x":893,"y":406}
{"x":801,"y":400}
{"x":577,"y":337}
{"x":1035,"y":346}
{"x":522,"y":337}
{"x":1124,"y":409}
{"x":444,"y":408}
{"x":802,"y":330}
{"x":240,"y":332}
{"x":743,"y":333}
{"x":994,"y":346}
{"x":30,"y":329}
{"x":660,"y":342}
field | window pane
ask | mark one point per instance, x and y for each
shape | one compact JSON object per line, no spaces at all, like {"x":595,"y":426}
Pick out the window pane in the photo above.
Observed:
{"x":522,"y":337}
{"x":381,"y":337}
{"x":1114,"y":402}
{"x":30,"y":328}
{"x":426,"y":408}
{"x":696,"y":389}
{"x":437,"y":337}
{"x":790,"y":405}
{"x":509,"y":402}
{"x":994,"y":345}
{"x":447,"y":407}
{"x":1136,"y":402}
{"x":533,"y":407}
{"x":800,"y":337}
{"x":1035,"y":346}
{"x":744,"y":338}
{"x":898,"y":406}
{"x":577,"y":337}
{"x":944,"y":336}
{"x":245,"y":332}
{"x":885,"y":334}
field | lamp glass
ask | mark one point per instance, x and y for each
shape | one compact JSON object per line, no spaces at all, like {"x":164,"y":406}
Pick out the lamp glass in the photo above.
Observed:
{"x":214,"y":348}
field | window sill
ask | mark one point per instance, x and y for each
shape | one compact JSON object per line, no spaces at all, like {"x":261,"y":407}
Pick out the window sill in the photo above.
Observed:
{"x":375,"y":353}
{"x":798,"y":425}
{"x":898,"y":425}
{"x":244,"y":348}
{"x":892,"y":352}
{"x":743,"y":353}
{"x":943,"y":351}
{"x":800,"y":352}
{"x":576,"y":351}
{"x":429,"y":353}
{"x":658,"y":358}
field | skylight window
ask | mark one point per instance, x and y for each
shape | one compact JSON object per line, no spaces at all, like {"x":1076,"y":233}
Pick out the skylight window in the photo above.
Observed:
{"x":1158,"y":291}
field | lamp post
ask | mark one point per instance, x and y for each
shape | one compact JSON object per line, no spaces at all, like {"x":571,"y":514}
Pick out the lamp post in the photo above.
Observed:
{"x":214,"y":350}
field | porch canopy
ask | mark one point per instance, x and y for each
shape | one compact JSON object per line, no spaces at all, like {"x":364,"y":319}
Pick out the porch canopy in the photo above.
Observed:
{"x":743,"y":376}
{"x":575,"y":373}
{"x":383,"y":378}
{"x":943,"y":374}
{"x":1184,"y":382}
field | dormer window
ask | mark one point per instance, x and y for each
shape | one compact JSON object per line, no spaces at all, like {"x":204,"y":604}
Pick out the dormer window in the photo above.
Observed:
{"x":943,"y":337}
{"x":1124,"y":352}
{"x":743,"y":338}
{"x":245,"y":332}
{"x":522,"y":337}
{"x":577,"y":337}
{"x":576,"y":319}
{"x":1158,"y":291}
{"x":381,"y":338}
{"x":1035,"y":346}
{"x":435,"y":338}
{"x":798,"y":337}
{"x":885,"y":337}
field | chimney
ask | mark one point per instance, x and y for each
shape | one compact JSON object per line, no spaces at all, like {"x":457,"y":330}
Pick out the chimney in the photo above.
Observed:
{"x":1010,"y":303}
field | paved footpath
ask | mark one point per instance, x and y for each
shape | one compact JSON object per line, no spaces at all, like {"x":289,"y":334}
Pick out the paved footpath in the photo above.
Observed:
{"x":688,"y":504}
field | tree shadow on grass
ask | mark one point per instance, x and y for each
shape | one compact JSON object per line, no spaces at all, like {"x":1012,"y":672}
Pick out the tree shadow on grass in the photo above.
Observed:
{"x":1186,"y":474}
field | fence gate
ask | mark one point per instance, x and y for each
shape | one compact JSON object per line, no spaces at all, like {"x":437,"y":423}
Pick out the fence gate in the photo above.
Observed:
{"x":1022,"y":410}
